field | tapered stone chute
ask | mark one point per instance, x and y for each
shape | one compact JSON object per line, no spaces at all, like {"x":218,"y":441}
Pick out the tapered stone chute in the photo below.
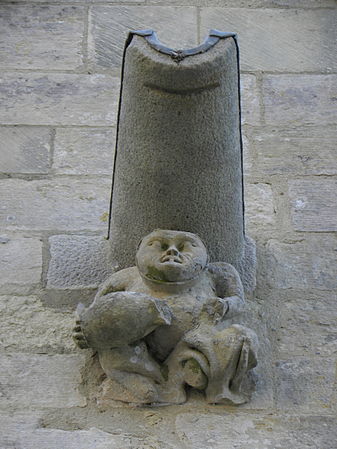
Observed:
{"x":179,"y":152}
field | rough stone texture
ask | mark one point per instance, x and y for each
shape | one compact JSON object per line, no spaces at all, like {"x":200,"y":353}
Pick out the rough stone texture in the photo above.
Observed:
{"x":77,"y":261}
{"x":196,"y":161}
{"x":305,"y":264}
{"x":312,"y":4}
{"x":300,"y":99}
{"x":27,"y":326}
{"x":89,"y":439}
{"x":313,"y":204}
{"x":40,"y":381}
{"x":229,"y":430}
{"x":260,"y":209}
{"x":51,"y":37}
{"x":293,"y":151}
{"x":249,"y":100}
{"x":294,"y":42}
{"x":25,"y":149}
{"x":245,"y":4}
{"x":312,"y":318}
{"x":85,"y":151}
{"x":62,"y":204}
{"x":306,"y":384}
{"x":21,"y":264}
{"x":109,"y":26}
{"x":58,"y":99}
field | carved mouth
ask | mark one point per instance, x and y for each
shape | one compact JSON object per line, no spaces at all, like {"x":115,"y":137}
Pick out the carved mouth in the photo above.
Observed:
{"x":170,"y":259}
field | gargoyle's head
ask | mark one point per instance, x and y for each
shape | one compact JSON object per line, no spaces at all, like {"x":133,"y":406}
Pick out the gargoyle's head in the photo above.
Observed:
{"x":171,"y":256}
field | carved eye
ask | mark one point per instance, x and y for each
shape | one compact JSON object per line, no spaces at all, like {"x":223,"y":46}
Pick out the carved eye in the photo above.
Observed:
{"x":181,"y":247}
{"x":150,"y":244}
{"x":164,"y":246}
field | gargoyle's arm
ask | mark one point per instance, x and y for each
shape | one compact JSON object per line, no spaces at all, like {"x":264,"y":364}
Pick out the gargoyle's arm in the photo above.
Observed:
{"x":228,"y":286}
{"x":117,"y":282}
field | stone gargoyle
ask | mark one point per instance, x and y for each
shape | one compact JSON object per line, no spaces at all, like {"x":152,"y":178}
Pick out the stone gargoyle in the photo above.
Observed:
{"x":163,"y":325}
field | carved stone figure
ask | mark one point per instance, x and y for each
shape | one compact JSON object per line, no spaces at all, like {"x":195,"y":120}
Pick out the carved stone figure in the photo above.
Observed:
{"x":163,"y":325}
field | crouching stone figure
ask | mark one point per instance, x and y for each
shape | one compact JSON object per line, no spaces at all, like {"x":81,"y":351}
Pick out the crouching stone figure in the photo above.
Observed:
{"x":161,"y":326}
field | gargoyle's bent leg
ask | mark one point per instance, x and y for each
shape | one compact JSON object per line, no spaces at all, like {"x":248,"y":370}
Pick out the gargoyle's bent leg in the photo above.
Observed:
{"x":133,"y":373}
{"x":231,"y":353}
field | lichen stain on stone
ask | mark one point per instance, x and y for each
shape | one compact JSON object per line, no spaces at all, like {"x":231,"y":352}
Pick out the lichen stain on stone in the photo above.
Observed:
{"x":104,"y":217}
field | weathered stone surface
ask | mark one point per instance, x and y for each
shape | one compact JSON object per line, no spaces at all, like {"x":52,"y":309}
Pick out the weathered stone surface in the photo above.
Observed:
{"x":306,"y":384}
{"x":314,"y":205}
{"x":303,"y":150}
{"x":311,"y":317}
{"x":109,"y":25}
{"x":240,"y":431}
{"x":250,"y":100}
{"x":163,"y":312}
{"x":40,"y":381}
{"x":58,"y":99}
{"x":25,"y":149}
{"x":21,"y":264}
{"x":297,"y":49}
{"x":61,"y":204}
{"x":27,"y":326}
{"x":77,"y":261}
{"x":15,"y":427}
{"x":300,"y":99}
{"x":259,"y":207}
{"x":67,"y":299}
{"x":80,"y":439}
{"x":224,"y":3}
{"x":47,"y":37}
{"x":196,"y":161}
{"x":244,"y":3}
{"x":80,"y":151}
{"x":308,"y":263}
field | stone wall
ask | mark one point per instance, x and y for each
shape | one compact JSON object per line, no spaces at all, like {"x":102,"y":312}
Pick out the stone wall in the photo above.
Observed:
{"x":59,"y":88}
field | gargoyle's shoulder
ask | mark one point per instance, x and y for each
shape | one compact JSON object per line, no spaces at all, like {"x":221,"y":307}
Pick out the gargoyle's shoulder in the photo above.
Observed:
{"x":126,"y":274}
{"x":222,"y":269}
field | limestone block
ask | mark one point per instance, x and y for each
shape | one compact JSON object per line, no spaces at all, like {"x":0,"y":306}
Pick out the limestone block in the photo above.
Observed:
{"x":278,"y":39}
{"x":302,"y":150}
{"x":16,"y":427}
{"x":242,"y":431}
{"x":27,"y":326}
{"x":306,"y":324}
{"x":313,"y":204}
{"x":67,"y":299}
{"x":109,"y":25}
{"x":61,"y":204}
{"x":259,"y":207}
{"x":47,"y":37}
{"x":92,"y":438}
{"x":58,"y":99}
{"x":77,"y":261}
{"x":244,"y":3}
{"x":249,"y":100}
{"x":41,"y":381}
{"x":306,"y":384}
{"x":308,"y":263}
{"x":21,"y":264}
{"x":85,"y":151}
{"x":24,"y":149}
{"x":300,"y":99}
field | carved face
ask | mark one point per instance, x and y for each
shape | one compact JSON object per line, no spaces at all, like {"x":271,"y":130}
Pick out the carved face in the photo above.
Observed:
{"x":171,"y":256}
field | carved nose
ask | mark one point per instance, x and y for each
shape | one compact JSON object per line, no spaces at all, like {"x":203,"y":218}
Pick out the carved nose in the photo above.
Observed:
{"x":172,"y":251}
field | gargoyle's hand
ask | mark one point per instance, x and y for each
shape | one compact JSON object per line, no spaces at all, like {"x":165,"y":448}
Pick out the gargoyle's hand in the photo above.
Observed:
{"x":216,"y":308}
{"x":78,"y":335}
